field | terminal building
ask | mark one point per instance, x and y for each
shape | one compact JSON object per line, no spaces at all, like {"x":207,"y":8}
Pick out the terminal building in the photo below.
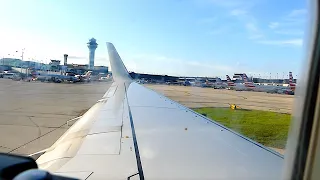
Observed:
{"x":55,"y":65}
{"x":82,"y":68}
{"x":154,"y":77}
{"x":101,"y":69}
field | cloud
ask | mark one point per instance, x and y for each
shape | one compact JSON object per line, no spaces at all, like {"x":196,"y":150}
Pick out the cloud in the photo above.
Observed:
{"x":238,"y":12}
{"x":101,"y":58}
{"x":219,"y":30}
{"x":273,"y":25}
{"x":207,"y":20}
{"x":249,"y":22}
{"x":296,"y":16}
{"x":297,"y":13}
{"x":223,"y":3}
{"x":254,"y":32}
{"x":290,"y":32}
{"x":291,"y":24}
{"x":158,"y":64}
{"x":232,"y":3}
{"x":291,"y":42}
{"x":212,"y":66}
{"x":77,"y":57}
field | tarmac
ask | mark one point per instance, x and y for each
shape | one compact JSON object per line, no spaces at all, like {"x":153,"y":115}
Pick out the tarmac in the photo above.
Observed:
{"x":195,"y":97}
{"x":33,"y":115}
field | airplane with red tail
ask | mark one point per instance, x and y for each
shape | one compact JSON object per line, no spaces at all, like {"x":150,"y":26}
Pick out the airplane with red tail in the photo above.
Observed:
{"x":247,"y":83}
{"x":292,"y":85}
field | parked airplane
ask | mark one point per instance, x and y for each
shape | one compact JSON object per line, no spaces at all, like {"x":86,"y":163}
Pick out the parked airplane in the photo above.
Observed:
{"x":56,"y":78}
{"x":292,"y":85}
{"x":198,"y":82}
{"x":235,"y":86}
{"x":201,"y":82}
{"x":247,"y":83}
{"x":260,"y":88}
{"x":219,"y":84}
{"x":134,"y":132}
{"x":229,"y":82}
{"x":215,"y":83}
{"x":49,"y":77}
{"x":272,"y":88}
{"x":285,"y":90}
{"x":84,"y":78}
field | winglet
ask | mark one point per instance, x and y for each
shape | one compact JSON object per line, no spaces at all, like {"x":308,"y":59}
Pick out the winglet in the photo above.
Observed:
{"x":119,"y":71}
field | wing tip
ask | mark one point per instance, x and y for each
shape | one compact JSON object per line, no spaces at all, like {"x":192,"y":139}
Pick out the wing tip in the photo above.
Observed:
{"x":119,"y":70}
{"x":110,"y":45}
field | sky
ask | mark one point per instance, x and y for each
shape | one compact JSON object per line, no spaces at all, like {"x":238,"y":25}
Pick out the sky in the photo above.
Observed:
{"x":173,"y":37}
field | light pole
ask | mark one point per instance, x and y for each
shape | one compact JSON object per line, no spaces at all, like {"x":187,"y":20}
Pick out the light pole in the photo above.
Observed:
{"x":22,"y":52}
{"x":41,"y":65}
{"x":7,"y":61}
{"x":3,"y":60}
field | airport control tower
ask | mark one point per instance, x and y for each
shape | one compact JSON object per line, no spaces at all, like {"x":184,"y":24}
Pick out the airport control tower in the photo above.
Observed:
{"x":92,"y":45}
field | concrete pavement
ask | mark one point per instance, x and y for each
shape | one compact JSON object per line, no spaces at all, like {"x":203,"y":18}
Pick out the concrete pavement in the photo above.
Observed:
{"x":33,"y":115}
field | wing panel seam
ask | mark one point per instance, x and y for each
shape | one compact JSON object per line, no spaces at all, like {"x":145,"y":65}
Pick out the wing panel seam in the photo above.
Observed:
{"x":134,"y":138}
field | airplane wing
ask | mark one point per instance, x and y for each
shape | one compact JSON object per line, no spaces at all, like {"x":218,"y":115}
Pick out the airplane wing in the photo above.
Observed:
{"x":134,"y":133}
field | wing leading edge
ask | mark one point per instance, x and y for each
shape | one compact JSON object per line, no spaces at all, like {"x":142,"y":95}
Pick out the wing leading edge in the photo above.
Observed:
{"x":134,"y":131}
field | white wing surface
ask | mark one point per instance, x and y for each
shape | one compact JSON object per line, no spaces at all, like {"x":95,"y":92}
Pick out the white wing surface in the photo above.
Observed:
{"x":135,"y":133}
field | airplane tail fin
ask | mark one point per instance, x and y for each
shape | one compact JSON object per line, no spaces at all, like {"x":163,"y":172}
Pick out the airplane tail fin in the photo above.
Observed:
{"x":88,"y":74}
{"x":230,"y":83}
{"x":292,"y":85}
{"x":228,"y":78}
{"x":245,"y":77}
{"x":247,"y":82}
{"x":119,"y":71}
{"x":290,"y":77}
